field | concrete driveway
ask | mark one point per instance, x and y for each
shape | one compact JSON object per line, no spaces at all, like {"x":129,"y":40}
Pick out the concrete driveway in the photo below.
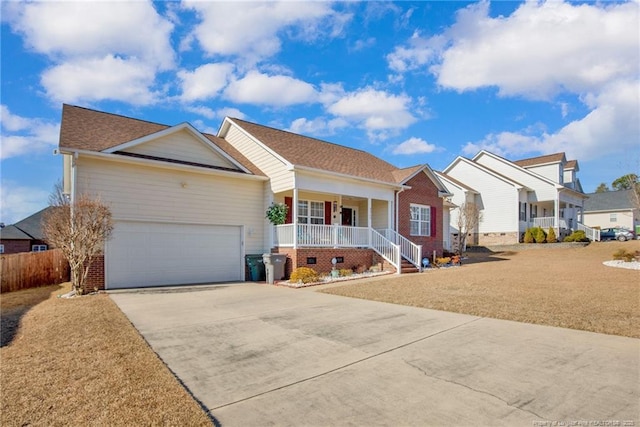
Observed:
{"x":258,"y":355}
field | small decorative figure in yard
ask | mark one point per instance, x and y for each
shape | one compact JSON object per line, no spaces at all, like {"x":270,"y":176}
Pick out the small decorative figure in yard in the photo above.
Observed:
{"x":334,"y":272}
{"x":425,"y":262}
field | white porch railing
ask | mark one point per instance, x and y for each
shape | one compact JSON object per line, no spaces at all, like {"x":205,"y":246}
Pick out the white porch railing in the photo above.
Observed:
{"x":387,"y":249}
{"x":408,"y":249}
{"x":316,"y":235}
{"x":591,"y":233}
{"x":547,"y":221}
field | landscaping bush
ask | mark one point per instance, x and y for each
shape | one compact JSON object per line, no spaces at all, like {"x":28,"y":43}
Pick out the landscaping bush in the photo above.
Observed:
{"x":577,"y":236}
{"x":443,"y":261}
{"x":345,"y":272}
{"x":551,"y":235}
{"x":624,"y":255}
{"x":540,"y":235}
{"x":304,"y":275}
{"x":528,"y":236}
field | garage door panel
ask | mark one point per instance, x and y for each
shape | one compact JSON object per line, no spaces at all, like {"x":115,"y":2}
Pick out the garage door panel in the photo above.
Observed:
{"x":150,"y":254}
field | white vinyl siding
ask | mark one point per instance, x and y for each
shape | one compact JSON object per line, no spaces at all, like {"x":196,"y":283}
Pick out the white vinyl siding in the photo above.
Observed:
{"x":137,"y":192}
{"x":281,"y":179}
{"x":420,"y":220}
{"x":543,"y":190}
{"x":183,"y":146}
{"x":497,"y":199}
{"x":553,"y":171}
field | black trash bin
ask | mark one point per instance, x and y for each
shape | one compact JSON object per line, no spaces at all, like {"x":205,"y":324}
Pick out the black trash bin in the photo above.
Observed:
{"x":256,"y":267}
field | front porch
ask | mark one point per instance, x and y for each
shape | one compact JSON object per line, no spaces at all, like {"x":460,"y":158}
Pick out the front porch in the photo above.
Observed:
{"x":352,"y":247}
{"x":564,"y":214}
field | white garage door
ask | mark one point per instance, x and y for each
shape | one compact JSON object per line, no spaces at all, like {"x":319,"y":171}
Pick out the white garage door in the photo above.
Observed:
{"x":143,"y":254}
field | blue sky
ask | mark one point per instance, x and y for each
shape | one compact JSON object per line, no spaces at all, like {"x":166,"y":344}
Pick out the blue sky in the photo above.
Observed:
{"x":411,"y":82}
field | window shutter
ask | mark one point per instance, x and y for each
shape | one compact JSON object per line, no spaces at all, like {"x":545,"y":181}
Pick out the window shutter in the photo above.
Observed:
{"x":327,"y":213}
{"x":289,"y":202}
{"x":434,"y":226}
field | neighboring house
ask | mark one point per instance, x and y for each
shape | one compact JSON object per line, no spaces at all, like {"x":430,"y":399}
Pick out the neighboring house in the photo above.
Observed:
{"x":461,"y":195}
{"x":515,"y":195}
{"x":188,"y":206}
{"x":24,"y":236}
{"x":612,"y":209}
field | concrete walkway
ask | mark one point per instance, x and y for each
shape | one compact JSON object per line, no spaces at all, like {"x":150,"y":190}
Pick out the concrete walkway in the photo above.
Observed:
{"x":258,"y":355}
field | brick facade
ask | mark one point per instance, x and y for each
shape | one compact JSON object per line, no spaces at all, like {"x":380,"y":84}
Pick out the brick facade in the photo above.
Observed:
{"x":95,"y":277}
{"x":422,"y":192}
{"x":16,"y":246}
{"x":353,"y":258}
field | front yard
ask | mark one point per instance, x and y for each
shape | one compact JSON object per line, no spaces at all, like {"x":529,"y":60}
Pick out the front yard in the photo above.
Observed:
{"x":565,"y":287}
{"x":81,"y":362}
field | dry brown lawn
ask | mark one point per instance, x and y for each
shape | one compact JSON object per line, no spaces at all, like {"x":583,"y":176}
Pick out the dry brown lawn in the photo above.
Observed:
{"x":565,"y":287}
{"x":80,"y":362}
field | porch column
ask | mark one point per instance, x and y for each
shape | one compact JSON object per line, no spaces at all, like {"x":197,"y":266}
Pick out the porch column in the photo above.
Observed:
{"x":369,"y":213}
{"x":556,"y":214}
{"x":294,"y":217}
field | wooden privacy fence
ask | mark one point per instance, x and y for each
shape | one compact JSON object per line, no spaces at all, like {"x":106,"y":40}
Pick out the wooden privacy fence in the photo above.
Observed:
{"x":32,"y":269}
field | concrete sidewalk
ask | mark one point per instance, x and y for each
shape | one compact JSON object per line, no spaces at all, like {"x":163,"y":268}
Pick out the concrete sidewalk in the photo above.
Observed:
{"x":257,"y":355}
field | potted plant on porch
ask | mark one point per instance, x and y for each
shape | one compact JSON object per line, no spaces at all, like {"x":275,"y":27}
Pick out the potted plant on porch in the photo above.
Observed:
{"x":277,"y":213}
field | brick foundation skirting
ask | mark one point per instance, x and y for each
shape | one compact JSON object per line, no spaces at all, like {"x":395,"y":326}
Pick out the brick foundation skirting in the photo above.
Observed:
{"x":352,"y":258}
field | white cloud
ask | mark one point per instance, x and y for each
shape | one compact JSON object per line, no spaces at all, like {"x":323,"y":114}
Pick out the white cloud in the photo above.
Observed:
{"x":611,"y":126}
{"x":279,"y":91}
{"x":252,"y":30}
{"x":94,"y":79}
{"x":216,"y":114}
{"x":376,"y":111}
{"x":542,"y":48}
{"x":130,"y":39}
{"x":205,"y":81}
{"x":590,"y":51}
{"x":26,"y":136}
{"x":319,"y":126}
{"x":414,"y":146}
{"x":18,"y":201}
{"x":78,"y":29}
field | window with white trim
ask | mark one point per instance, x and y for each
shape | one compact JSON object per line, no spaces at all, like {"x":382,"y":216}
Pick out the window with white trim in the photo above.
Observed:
{"x":38,"y":248}
{"x":1,"y":249}
{"x":420,"y":220}
{"x":310,"y":212}
{"x":613,"y":217}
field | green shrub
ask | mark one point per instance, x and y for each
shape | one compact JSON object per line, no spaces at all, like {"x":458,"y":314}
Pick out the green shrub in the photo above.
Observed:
{"x":540,"y":235}
{"x":624,"y":255}
{"x":551,"y":235}
{"x":577,"y":236}
{"x":304,"y":275}
{"x":528,"y":236}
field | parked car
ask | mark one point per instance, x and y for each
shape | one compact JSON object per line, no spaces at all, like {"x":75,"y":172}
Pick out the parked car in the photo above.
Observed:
{"x":616,"y":233}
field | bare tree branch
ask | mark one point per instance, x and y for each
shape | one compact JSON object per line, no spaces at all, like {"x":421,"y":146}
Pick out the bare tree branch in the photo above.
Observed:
{"x":469,"y":216}
{"x":79,"y":230}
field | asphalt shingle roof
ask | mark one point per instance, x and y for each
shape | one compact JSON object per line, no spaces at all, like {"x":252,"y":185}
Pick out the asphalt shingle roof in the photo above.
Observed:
{"x":549,"y":158}
{"x":314,"y":153}
{"x":86,"y":129}
{"x":609,"y":201}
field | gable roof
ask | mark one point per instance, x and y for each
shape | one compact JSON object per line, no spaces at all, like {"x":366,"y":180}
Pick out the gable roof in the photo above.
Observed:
{"x":609,"y":201}
{"x":85,"y":129}
{"x":486,"y":170}
{"x":455,"y":182}
{"x":314,"y":153}
{"x":541,"y":160}
{"x":11,"y":232}
{"x":29,"y":228}
{"x":571,"y":164}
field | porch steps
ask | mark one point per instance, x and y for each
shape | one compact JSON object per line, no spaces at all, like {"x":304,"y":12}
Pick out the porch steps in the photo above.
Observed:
{"x":406,"y":267}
